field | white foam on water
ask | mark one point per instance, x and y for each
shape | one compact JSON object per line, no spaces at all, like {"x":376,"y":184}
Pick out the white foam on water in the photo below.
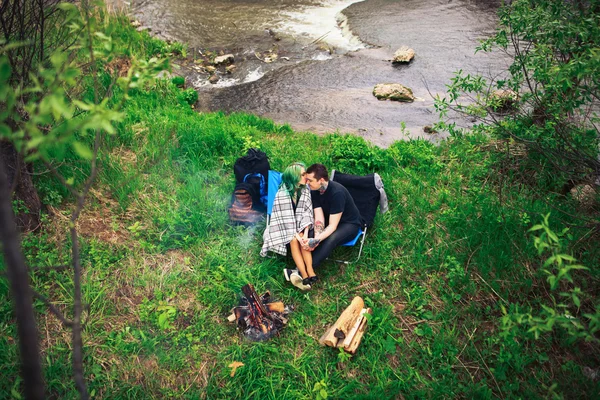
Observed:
{"x":202,"y":81}
{"x":326,"y":23}
{"x":254,"y":75}
{"x":322,"y":57}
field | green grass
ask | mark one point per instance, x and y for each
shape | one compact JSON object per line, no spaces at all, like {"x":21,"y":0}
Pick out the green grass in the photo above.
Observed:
{"x":453,"y":248}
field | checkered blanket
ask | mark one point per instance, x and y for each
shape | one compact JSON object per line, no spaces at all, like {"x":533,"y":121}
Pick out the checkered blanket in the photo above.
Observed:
{"x":284,"y":224}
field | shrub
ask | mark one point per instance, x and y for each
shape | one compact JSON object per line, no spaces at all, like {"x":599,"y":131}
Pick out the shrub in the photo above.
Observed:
{"x":189,"y":96}
{"x":178,"y":81}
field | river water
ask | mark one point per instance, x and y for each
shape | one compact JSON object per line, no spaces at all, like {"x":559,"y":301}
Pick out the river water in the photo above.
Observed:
{"x":313,"y":63}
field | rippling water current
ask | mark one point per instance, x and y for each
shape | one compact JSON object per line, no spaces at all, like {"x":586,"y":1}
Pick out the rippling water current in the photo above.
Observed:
{"x":330,"y":55}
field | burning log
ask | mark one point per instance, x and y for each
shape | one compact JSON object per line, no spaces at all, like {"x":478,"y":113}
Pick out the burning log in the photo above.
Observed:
{"x":348,"y":330}
{"x":257,"y":316}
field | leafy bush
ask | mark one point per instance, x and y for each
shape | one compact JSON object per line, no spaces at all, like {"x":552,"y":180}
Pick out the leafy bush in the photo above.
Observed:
{"x":178,"y":81}
{"x":353,"y":155}
{"x":189,"y":96}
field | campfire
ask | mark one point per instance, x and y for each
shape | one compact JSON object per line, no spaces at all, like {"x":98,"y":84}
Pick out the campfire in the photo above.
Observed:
{"x":259,"y":317}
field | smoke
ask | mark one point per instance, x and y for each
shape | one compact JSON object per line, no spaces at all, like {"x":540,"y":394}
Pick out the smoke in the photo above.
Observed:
{"x":248,"y":237}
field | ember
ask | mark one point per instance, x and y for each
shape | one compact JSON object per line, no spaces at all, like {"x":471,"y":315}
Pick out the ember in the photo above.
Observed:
{"x":259,"y":317}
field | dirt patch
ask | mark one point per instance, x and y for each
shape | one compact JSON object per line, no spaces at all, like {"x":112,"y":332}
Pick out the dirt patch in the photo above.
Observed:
{"x":119,"y":66}
{"x":128,"y":159}
{"x":170,"y":262}
{"x":97,"y":220}
{"x":52,"y":332}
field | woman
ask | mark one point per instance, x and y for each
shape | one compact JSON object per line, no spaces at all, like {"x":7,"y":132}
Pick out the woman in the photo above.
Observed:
{"x":291,"y":218}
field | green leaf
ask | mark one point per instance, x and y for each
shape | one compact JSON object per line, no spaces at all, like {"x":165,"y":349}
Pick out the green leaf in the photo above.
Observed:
{"x":4,"y":70}
{"x":162,"y":319}
{"x":5,"y":131}
{"x":82,"y":150}
{"x":323,"y":393}
{"x":15,"y":394}
{"x":389,"y":345}
{"x":576,"y":301}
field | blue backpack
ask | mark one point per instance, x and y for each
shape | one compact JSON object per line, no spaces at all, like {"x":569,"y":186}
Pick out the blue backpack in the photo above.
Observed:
{"x":257,"y":180}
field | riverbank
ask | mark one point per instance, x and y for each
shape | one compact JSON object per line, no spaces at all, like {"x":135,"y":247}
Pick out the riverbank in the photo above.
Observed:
{"x":163,"y":267}
{"x":324,"y":74}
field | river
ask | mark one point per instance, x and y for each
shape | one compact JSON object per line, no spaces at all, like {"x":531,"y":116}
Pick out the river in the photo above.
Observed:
{"x":313,"y":63}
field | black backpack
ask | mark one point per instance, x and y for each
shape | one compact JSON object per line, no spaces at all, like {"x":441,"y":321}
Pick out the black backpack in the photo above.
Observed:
{"x":253,"y":168}
{"x":248,"y":202}
{"x":254,"y":161}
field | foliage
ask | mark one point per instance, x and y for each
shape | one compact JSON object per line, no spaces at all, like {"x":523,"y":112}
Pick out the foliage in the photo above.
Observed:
{"x":189,"y":96}
{"x":178,"y":81}
{"x":353,"y":153}
{"x":548,"y":98}
{"x":564,"y":312}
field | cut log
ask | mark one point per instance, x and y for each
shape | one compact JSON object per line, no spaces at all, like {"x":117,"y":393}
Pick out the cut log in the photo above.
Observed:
{"x":326,"y":335}
{"x":344,"y":323}
{"x":276,"y":306}
{"x":352,"y":332}
{"x":351,"y":348}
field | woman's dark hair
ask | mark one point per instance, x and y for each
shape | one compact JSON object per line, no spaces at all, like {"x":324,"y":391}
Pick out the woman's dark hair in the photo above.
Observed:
{"x":319,"y":170}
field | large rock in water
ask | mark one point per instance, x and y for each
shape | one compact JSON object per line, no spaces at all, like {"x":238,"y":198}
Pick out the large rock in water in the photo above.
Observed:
{"x":226,"y":59}
{"x":403,"y":55}
{"x":393,"y":91}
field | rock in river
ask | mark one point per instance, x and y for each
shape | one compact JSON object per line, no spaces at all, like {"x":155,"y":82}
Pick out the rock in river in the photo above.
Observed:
{"x":226,"y":59}
{"x":393,"y":91}
{"x":403,"y":55}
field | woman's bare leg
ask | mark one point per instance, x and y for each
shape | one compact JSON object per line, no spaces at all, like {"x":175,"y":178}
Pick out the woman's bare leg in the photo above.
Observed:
{"x":307,"y":256}
{"x":297,"y":255}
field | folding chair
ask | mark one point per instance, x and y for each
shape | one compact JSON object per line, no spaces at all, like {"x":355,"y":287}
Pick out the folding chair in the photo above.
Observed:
{"x":368,"y":193}
{"x":272,"y":188}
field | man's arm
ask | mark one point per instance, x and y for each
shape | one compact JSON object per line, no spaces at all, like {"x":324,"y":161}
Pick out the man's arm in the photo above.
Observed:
{"x":334,"y":220}
{"x":319,"y":226}
{"x":319,"y":220}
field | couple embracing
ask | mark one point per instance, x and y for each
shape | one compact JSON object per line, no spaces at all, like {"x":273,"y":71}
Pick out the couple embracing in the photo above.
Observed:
{"x":312,"y":215}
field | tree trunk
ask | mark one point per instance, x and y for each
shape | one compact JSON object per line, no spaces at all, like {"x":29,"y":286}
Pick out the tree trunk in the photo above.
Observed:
{"x":31,"y":370}
{"x":18,"y":173}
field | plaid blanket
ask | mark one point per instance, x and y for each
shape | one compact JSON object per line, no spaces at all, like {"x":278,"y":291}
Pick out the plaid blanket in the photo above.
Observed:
{"x":284,"y":223}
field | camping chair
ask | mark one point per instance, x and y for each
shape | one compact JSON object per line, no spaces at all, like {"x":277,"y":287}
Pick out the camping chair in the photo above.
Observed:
{"x":367,"y":192}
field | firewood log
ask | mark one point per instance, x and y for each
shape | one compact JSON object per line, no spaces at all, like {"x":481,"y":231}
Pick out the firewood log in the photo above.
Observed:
{"x":254,"y":301}
{"x":344,"y":323}
{"x":276,"y":306}
{"x":326,"y":335}
{"x":346,"y":342}
{"x":351,"y":348}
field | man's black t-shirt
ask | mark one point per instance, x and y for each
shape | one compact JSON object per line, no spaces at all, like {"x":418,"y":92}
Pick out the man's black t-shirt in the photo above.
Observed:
{"x":335,"y":200}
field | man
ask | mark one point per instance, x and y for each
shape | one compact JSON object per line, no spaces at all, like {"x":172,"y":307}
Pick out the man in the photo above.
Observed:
{"x":337,"y":220}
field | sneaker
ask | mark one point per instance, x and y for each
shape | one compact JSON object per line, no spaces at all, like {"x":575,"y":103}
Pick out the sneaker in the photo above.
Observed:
{"x":313,"y":279}
{"x":288,"y":273}
{"x":297,"y":281}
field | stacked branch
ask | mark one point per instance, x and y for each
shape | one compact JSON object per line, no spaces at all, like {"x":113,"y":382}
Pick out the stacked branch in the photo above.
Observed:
{"x":258,"y":317}
{"x":348,"y":330}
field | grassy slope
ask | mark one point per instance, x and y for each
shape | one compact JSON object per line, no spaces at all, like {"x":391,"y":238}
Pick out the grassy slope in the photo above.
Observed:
{"x":156,"y":240}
